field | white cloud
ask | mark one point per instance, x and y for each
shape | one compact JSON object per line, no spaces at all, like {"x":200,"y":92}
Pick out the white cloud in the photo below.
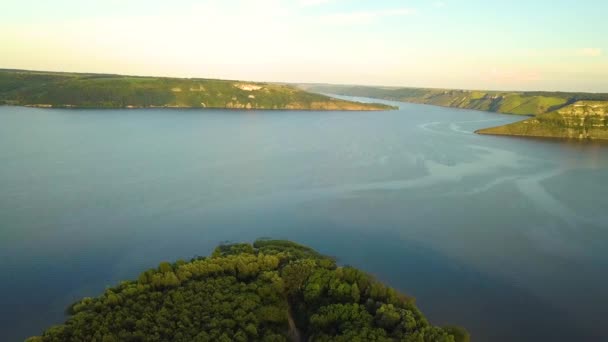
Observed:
{"x":364,"y":17}
{"x":589,"y":52}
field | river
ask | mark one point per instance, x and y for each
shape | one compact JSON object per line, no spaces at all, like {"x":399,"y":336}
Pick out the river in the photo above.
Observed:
{"x":504,"y":236}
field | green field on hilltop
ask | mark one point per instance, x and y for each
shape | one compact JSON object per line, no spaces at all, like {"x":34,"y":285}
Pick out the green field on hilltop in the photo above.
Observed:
{"x":47,"y":89}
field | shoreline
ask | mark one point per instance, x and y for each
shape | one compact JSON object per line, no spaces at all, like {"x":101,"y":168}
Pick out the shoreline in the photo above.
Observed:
{"x":48,"y":106}
{"x":544,"y":137}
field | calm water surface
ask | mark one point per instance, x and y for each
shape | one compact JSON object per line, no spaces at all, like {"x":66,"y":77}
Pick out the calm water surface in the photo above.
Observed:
{"x":504,"y":236}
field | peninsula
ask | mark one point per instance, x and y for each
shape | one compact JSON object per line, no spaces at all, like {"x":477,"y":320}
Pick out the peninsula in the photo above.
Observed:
{"x":555,"y":114}
{"x":271,"y":290}
{"x":75,"y":90}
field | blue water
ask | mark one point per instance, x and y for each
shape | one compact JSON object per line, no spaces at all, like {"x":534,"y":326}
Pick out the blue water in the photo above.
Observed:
{"x":504,"y":236}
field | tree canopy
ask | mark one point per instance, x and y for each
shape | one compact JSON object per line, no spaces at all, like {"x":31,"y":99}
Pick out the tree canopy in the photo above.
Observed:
{"x":267,"y":291}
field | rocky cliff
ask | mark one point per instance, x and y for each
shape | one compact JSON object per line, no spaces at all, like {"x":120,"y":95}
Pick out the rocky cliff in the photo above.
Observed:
{"x":580,"y":120}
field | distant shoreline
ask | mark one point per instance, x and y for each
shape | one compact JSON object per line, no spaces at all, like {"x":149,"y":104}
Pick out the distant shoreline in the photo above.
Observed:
{"x":558,"y":115}
{"x":104,"y":91}
{"x":195,"y":108}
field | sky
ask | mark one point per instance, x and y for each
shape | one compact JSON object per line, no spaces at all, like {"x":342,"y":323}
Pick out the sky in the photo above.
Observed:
{"x":468,"y":44}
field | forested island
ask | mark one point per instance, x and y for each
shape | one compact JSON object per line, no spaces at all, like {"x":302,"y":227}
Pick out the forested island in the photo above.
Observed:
{"x":271,"y":290}
{"x":76,"y":90}
{"x":556,"y":114}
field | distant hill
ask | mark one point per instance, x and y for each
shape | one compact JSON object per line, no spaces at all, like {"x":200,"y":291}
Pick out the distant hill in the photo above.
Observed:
{"x":557,"y":114}
{"x":75,"y":90}
{"x":268,"y":291}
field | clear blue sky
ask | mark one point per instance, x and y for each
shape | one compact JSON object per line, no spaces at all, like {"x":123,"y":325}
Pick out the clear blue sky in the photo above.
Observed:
{"x":541,"y":44}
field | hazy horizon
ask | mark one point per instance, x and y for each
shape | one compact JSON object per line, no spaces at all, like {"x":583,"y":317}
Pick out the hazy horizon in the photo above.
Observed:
{"x":435,"y":44}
